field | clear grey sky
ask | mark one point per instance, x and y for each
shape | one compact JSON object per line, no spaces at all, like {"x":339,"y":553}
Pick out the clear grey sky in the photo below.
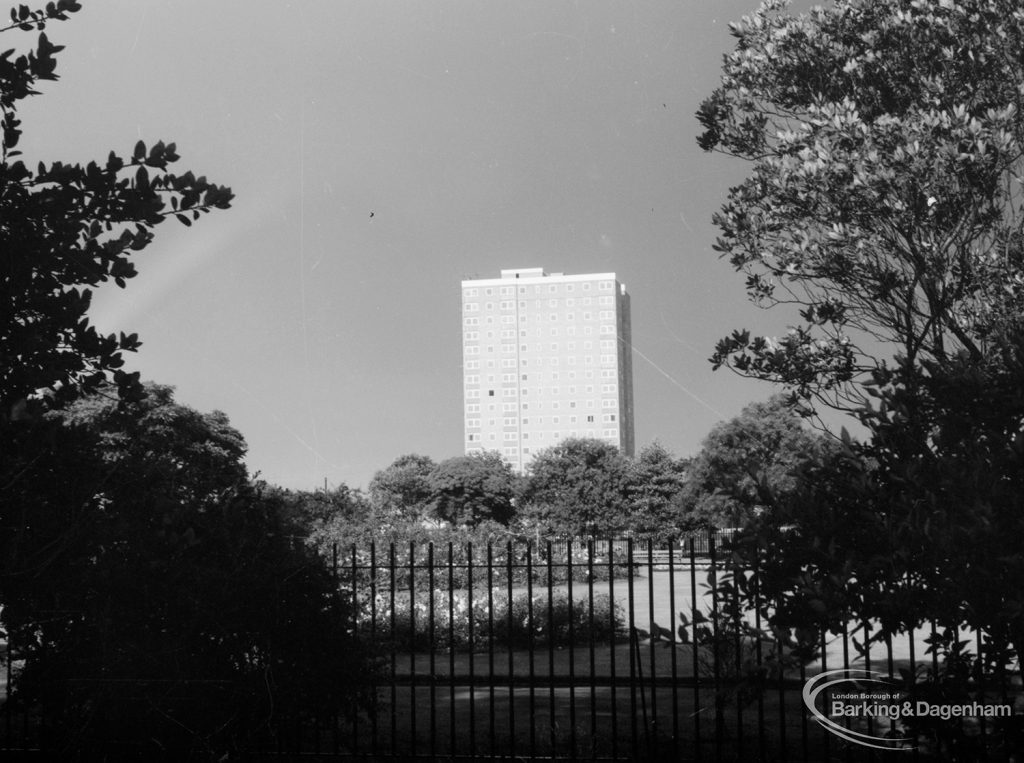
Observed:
{"x":478,"y":135}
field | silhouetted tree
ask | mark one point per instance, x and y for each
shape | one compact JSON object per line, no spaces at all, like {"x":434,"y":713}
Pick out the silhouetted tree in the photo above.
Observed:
{"x":65,"y":228}
{"x":886,"y":140}
{"x":748,"y":463}
{"x":159,"y":601}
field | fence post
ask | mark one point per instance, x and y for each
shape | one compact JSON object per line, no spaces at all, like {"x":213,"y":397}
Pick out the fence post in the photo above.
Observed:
{"x":412,"y":636}
{"x":471,"y":647}
{"x":716,"y":646}
{"x":634,"y":736}
{"x":675,"y":667}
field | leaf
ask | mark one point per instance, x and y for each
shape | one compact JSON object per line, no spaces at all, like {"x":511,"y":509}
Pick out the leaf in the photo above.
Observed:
{"x":114,"y":162}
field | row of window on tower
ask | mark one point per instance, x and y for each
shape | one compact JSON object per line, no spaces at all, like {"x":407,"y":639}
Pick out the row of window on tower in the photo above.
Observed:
{"x":555,"y":435}
{"x":509,"y":291}
{"x":539,"y":421}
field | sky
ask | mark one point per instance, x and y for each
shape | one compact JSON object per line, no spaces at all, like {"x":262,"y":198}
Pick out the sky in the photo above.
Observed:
{"x":381,"y":152}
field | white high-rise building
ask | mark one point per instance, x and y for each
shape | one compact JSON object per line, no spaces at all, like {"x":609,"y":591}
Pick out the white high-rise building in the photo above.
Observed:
{"x":546,"y":356}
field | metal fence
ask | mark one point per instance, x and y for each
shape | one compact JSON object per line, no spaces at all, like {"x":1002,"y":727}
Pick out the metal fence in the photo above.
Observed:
{"x":540,"y":651}
{"x":567,"y":650}
{"x":586,"y":650}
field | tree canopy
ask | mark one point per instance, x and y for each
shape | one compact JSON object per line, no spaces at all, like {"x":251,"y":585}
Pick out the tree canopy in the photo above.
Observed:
{"x":654,"y":486}
{"x":749,"y":463}
{"x":152,"y":597}
{"x":401,"y":488}
{"x":65,"y":229}
{"x":152,"y":593}
{"x":884,"y":198}
{"x":468,"y":490}
{"x":577,"y":487}
{"x":187,"y":456}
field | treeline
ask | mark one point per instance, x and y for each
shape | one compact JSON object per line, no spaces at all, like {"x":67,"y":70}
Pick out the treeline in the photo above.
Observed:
{"x":579,"y":487}
{"x":152,"y":589}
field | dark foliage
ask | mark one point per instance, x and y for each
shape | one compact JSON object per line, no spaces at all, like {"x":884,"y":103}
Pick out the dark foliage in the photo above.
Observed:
{"x":159,"y":602}
{"x":66,"y":228}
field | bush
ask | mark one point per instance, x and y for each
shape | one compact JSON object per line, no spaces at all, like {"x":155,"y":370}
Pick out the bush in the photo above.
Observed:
{"x":440,"y":557}
{"x":454,"y":624}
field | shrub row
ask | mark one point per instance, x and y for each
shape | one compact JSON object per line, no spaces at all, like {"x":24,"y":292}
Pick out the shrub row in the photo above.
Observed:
{"x":446,"y":621}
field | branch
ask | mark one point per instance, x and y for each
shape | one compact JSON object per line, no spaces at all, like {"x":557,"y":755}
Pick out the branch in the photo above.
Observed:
{"x":37,"y":19}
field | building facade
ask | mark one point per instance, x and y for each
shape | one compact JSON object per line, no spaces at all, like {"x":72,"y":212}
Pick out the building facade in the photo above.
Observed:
{"x":546,"y":357}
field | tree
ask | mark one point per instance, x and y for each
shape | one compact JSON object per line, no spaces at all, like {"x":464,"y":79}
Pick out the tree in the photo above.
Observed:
{"x":65,"y":228}
{"x":402,"y":489}
{"x":186,"y":456}
{"x":468,"y":490}
{"x":307,"y":510}
{"x":156,"y":598}
{"x":884,"y":198}
{"x":748,"y":463}
{"x":655,"y":482}
{"x":912,"y":525}
{"x":577,"y":487}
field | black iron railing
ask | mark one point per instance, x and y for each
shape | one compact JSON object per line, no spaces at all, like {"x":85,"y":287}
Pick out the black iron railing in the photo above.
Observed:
{"x":576,"y":649}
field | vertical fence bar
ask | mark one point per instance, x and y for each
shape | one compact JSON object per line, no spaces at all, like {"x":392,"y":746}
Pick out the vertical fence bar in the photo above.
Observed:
{"x":551,"y":649}
{"x":804,"y":730}
{"x":642,"y":690}
{"x":9,"y":676}
{"x":867,"y":667}
{"x":675,"y":649}
{"x":634,"y":736}
{"x":890,"y":662}
{"x":373,"y":633}
{"x":695,"y":650}
{"x":983,"y":727}
{"x":716,"y":650}
{"x":335,"y":731}
{"x":511,"y":658}
{"x":412,"y":643}
{"x":590,"y":644}
{"x":737,"y":669}
{"x":613,"y":626}
{"x":891,"y":666}
{"x":532,"y":668}
{"x":846,"y":664}
{"x":490,"y":647}
{"x":825,"y":733}
{"x":373,"y":638}
{"x":431,"y":622}
{"x":355,"y":626}
{"x":393,"y":563}
{"x":653,"y":628}
{"x":471,"y":648}
{"x":572,"y":653}
{"x":451,"y":648}
{"x":915,"y":752}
